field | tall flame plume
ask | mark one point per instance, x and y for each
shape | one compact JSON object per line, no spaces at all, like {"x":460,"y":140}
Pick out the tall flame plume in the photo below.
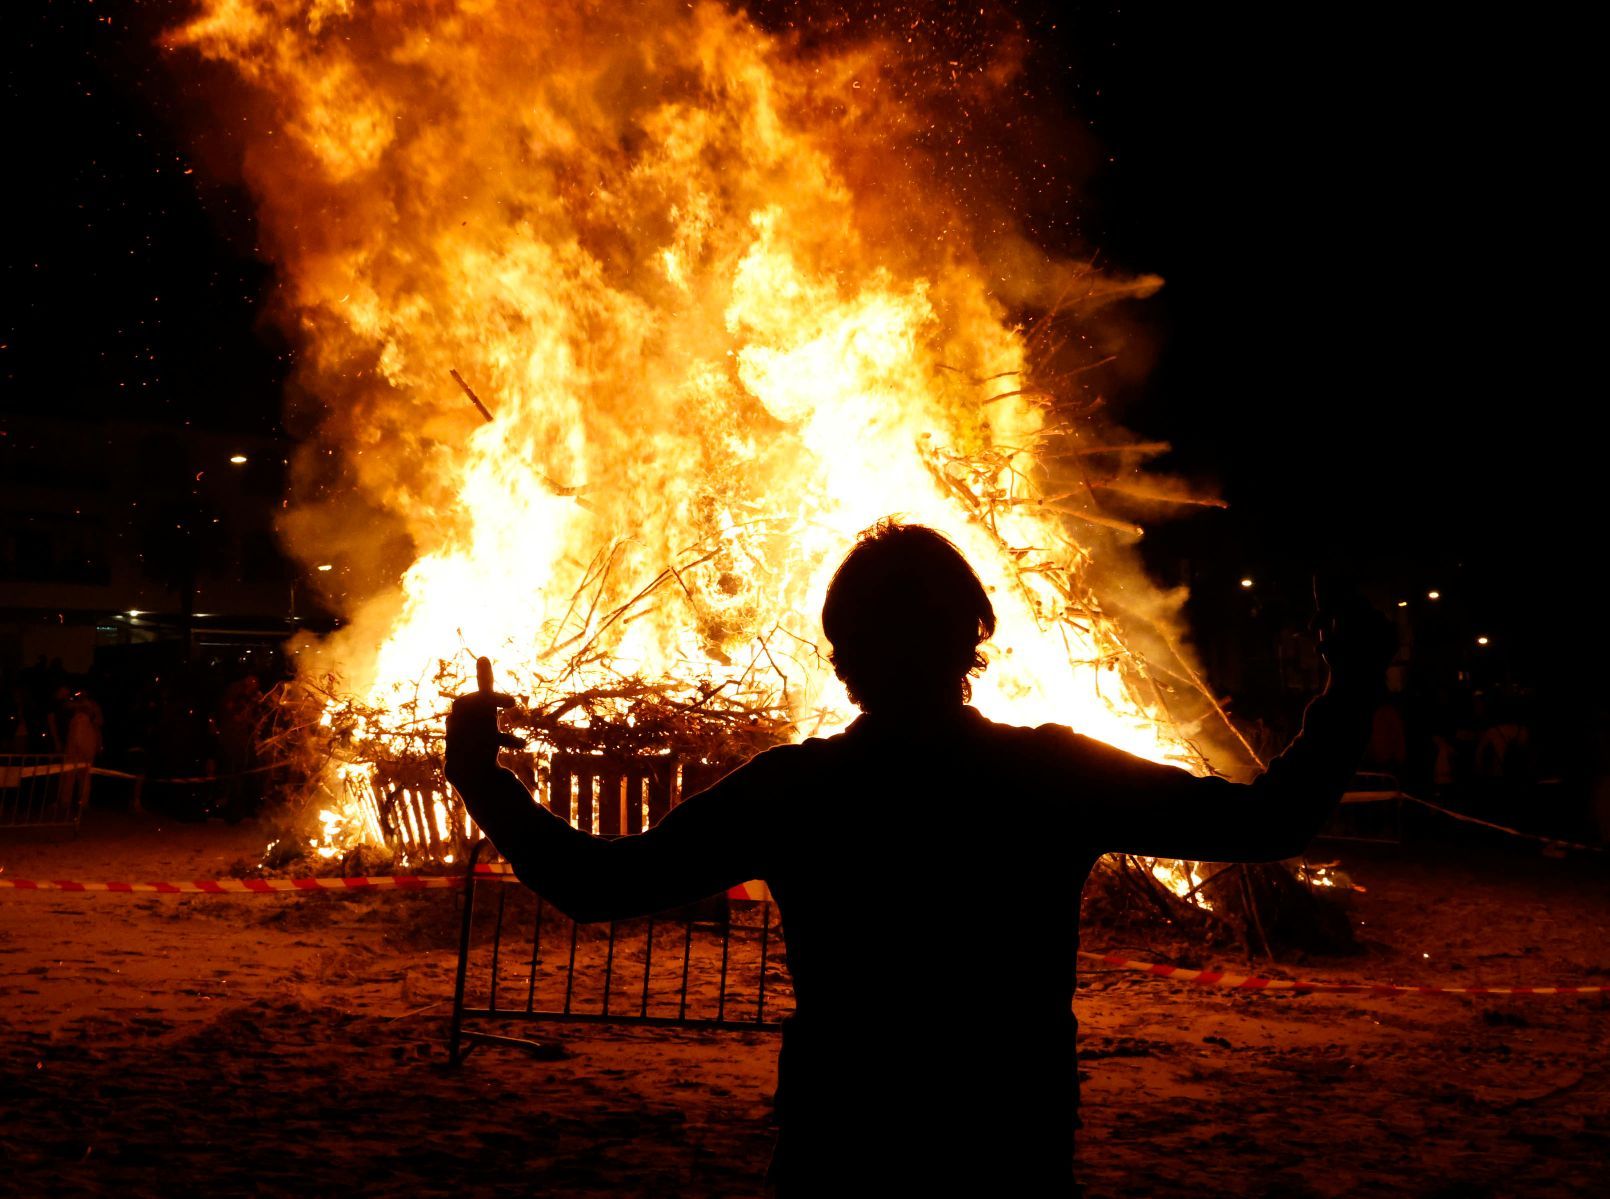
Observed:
{"x":718,"y":312}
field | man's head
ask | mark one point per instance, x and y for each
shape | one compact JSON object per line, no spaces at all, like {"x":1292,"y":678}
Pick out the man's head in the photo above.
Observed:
{"x":905,"y":615}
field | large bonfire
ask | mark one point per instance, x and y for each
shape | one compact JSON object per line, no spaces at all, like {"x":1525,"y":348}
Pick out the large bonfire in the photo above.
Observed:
{"x":614,"y":325}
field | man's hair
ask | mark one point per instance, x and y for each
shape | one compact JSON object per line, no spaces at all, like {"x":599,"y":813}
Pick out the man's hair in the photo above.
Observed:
{"x":905,"y":615}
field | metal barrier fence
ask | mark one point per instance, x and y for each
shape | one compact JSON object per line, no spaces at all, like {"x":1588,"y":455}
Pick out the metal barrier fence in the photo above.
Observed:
{"x":715,"y":964}
{"x":42,"y":791}
{"x":1371,"y":810}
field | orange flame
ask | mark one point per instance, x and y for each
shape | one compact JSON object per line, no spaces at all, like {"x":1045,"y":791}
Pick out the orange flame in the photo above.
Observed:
{"x":722,"y":317}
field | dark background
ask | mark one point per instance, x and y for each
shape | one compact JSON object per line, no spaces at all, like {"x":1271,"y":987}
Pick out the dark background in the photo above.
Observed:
{"x":1372,"y":226}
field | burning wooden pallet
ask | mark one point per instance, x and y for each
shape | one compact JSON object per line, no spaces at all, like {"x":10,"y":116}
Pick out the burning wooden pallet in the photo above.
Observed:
{"x":607,"y":794}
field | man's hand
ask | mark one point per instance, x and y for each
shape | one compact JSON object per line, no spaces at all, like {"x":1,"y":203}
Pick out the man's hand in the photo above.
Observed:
{"x":473,"y":739}
{"x":1356,"y":641}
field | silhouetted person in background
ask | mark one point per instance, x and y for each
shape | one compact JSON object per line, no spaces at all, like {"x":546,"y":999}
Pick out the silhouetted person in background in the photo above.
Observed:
{"x":14,"y":719}
{"x":1504,"y":749}
{"x":927,"y":863}
{"x":58,"y":715}
{"x":1387,"y":749}
{"x":80,"y":746}
{"x":240,"y":711}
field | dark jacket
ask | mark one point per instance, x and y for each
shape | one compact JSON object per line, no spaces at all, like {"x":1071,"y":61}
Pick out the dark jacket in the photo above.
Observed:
{"x":928,"y":877}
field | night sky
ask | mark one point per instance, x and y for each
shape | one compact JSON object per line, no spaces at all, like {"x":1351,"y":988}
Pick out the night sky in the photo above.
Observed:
{"x":1372,"y":340}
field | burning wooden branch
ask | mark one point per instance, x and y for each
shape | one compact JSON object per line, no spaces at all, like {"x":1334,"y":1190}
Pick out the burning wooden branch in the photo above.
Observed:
{"x":557,"y":488}
{"x":474,"y":399}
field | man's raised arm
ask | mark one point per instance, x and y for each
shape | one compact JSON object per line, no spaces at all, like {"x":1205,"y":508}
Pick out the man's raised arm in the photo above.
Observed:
{"x":703,"y":846}
{"x":1140,"y":807}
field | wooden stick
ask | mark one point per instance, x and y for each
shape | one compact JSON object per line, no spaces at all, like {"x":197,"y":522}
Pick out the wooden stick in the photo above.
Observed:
{"x":573,"y":493}
{"x":1123,"y":526}
{"x":1134,"y":447}
{"x":1033,"y":392}
{"x":474,"y":399}
{"x":1162,"y":497}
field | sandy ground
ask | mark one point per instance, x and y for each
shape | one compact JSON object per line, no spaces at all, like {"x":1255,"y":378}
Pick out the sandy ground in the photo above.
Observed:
{"x":296,"y":1044}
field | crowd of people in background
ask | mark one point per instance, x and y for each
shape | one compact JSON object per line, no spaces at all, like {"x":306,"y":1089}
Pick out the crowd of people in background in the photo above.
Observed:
{"x":49,"y":713}
{"x":1463,"y":744}
{"x":1487,"y":751}
{"x":1483,"y":725}
{"x":1493,"y":753}
{"x":189,"y":730}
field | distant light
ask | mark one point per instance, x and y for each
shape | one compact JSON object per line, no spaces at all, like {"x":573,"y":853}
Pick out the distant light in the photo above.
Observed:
{"x":1403,"y":603}
{"x":1246,"y":582}
{"x":325,"y":566}
{"x":1482,"y":640}
{"x":1433,"y":595}
{"x":238,"y":459}
{"x":134,"y":611}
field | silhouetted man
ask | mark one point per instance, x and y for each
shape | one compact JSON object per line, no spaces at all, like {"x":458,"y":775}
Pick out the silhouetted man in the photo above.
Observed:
{"x":928,"y":864}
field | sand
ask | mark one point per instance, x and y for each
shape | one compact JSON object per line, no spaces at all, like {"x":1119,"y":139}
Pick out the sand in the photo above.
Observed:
{"x":297,"y":1045}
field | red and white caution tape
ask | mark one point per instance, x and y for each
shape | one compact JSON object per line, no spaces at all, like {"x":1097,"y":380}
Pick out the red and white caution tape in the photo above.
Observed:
{"x":245,"y":886}
{"x":755,"y":889}
{"x":1252,"y":982}
{"x":496,"y":872}
{"x":499,"y":872}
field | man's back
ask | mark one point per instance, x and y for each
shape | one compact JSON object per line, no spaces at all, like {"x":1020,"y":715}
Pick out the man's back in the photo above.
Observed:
{"x":929,"y":887}
{"x":928,"y":872}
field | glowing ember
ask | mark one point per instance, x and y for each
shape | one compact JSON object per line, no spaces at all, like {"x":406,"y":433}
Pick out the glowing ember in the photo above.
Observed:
{"x":334,"y":835}
{"x":624,"y":322}
{"x":1327,"y":875}
{"x":1182,"y":878}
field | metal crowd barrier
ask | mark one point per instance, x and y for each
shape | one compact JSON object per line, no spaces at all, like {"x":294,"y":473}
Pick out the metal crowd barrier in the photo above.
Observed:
{"x":708,"y":966}
{"x":42,"y":791}
{"x":1371,"y":810}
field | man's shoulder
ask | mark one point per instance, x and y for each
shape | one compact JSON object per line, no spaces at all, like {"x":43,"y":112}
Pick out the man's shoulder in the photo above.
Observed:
{"x":1039,"y":738}
{"x":1056,"y":751}
{"x":798,"y":755}
{"x":1056,"y":740}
